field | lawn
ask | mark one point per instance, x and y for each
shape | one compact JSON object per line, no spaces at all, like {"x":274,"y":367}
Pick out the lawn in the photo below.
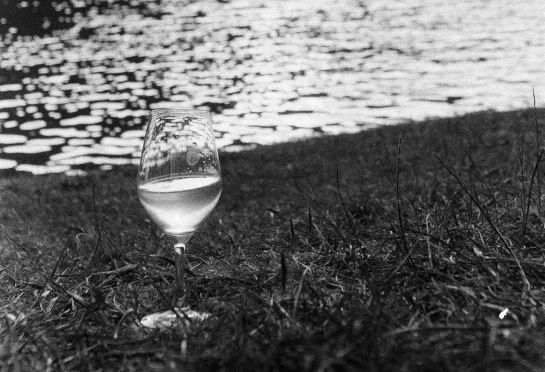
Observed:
{"x":415,"y":247}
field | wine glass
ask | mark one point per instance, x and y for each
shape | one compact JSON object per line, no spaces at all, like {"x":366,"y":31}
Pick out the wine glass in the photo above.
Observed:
{"x":179,"y":184}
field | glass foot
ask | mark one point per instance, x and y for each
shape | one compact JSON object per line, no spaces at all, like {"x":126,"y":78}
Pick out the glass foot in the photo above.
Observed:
{"x":169,"y":319}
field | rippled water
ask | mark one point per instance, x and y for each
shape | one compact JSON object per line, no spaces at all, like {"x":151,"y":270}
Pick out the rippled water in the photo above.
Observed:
{"x":268,"y":70}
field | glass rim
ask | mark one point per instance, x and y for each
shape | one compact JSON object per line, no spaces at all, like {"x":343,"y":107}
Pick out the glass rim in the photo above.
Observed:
{"x":181,"y":110}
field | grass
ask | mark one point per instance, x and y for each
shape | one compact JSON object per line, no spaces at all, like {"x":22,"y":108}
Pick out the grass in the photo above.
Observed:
{"x":413,"y":248}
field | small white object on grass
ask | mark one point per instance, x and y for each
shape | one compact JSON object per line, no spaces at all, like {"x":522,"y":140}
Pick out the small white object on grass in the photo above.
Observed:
{"x":169,"y":319}
{"x":503,"y":313}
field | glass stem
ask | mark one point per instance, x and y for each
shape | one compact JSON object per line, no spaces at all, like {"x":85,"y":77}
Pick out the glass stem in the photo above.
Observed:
{"x":179,"y":250}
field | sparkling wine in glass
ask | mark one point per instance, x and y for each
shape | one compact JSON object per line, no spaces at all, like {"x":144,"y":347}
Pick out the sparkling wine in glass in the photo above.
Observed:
{"x":179,"y":180}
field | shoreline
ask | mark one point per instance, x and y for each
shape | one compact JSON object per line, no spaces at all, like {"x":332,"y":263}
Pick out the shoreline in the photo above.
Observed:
{"x":11,"y":172}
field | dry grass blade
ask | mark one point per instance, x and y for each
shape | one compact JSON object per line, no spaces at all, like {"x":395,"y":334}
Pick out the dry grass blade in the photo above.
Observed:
{"x":529,"y":196}
{"x":538,"y":145}
{"x":526,"y":283}
{"x":347,"y":214}
{"x":399,"y":204}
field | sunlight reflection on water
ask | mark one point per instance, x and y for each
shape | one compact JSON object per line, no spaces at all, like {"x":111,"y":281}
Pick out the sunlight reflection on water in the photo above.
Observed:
{"x":269,"y":71}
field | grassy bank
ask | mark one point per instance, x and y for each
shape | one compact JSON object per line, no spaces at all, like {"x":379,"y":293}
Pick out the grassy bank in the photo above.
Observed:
{"x":416,"y":247}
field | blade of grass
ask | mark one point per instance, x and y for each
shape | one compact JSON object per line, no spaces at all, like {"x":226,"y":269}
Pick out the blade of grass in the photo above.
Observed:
{"x":525,"y":281}
{"x":399,"y":204}
{"x":347,"y":214}
{"x":538,"y":143}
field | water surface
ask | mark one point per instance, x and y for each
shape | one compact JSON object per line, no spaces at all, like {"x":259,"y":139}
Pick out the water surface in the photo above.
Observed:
{"x":75,"y":94}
